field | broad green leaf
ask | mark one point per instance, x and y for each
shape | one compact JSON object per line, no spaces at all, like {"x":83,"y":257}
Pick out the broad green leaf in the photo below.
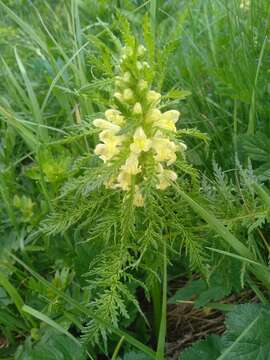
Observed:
{"x":248,"y":334}
{"x":208,"y":349}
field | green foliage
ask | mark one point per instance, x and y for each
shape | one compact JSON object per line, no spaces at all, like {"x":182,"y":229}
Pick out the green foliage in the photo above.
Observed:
{"x":51,"y":346}
{"x":246,"y":336}
{"x":208,"y":349}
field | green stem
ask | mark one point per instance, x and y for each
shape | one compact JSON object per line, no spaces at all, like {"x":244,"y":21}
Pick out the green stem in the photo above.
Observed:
{"x":163,"y":322}
{"x":156,"y":300}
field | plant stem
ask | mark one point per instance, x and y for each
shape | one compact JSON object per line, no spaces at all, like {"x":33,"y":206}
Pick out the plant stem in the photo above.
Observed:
{"x":156,"y":300}
{"x":163,"y":322}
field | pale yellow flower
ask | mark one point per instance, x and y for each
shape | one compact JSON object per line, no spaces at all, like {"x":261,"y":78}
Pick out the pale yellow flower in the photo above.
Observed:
{"x":110,"y":184}
{"x":142,"y":85}
{"x":106,"y":151}
{"x":153,"y":116}
{"x":128,"y":95}
{"x":124,"y":180}
{"x":165,"y":149}
{"x":141,"y":50}
{"x":127,"y":77}
{"x":138,"y":199}
{"x":153,"y":97}
{"x":107,"y":136}
{"x":118,"y":96}
{"x":114,"y":116}
{"x":165,"y":177}
{"x":139,"y":65}
{"x":131,"y":165}
{"x":127,"y":51}
{"x":168,"y":120}
{"x":137,"y":109}
{"x":106,"y":125}
{"x":140,"y":141}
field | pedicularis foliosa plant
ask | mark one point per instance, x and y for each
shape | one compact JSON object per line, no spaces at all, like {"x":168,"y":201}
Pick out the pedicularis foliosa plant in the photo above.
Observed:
{"x":123,"y":207}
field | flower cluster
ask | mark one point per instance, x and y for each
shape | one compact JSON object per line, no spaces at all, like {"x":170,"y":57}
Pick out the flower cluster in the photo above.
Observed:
{"x":135,"y":131}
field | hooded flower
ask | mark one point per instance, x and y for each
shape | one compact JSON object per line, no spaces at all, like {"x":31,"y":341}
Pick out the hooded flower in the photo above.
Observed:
{"x":140,"y":141}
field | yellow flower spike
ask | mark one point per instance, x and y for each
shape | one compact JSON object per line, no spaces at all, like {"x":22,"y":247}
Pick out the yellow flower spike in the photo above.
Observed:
{"x":141,"y":142}
{"x":128,"y":95}
{"x":137,"y":109}
{"x":106,"y":125}
{"x":124,"y":181}
{"x":106,"y":151}
{"x":114,"y":116}
{"x":138,"y":199}
{"x":153,"y":97}
{"x":153,"y":116}
{"x":165,"y":177}
{"x":132,"y":165}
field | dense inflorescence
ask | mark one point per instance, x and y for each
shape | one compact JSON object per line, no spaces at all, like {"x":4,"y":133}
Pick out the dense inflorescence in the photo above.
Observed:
{"x":135,"y":131}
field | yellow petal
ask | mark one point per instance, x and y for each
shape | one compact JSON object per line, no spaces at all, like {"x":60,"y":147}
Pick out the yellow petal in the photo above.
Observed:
{"x":171,"y":115}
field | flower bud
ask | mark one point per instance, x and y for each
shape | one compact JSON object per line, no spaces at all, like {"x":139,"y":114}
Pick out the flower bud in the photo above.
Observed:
{"x":153,"y":116}
{"x":141,"y":50}
{"x":127,"y":77}
{"x":104,"y":124}
{"x":118,"y":96}
{"x":137,"y":109}
{"x":139,"y":65}
{"x":153,"y":97}
{"x":138,"y":199}
{"x":128,"y":95}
